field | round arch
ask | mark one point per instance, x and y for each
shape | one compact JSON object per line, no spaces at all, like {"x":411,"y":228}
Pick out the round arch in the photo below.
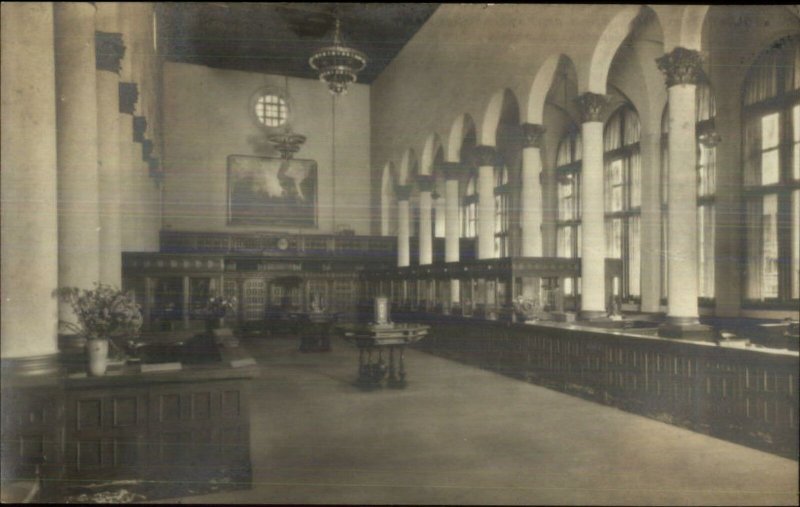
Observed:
{"x":408,"y":167}
{"x":593,"y":79}
{"x":461,"y":128}
{"x":502,"y":107}
{"x":432,"y":145}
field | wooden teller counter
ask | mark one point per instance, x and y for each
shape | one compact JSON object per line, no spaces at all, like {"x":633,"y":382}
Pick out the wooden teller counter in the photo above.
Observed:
{"x":181,"y":422}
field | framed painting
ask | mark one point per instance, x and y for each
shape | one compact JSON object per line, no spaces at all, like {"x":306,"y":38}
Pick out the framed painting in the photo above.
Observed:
{"x":272,"y":191}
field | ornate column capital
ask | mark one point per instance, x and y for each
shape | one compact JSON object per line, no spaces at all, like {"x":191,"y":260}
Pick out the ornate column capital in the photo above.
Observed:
{"x":591,"y":106}
{"x":109,"y":51}
{"x":139,"y":126}
{"x":532,"y":135}
{"x":403,"y":192}
{"x":128,"y":96}
{"x":451,"y":170}
{"x":681,"y":66}
{"x":425,"y":182}
{"x":486,"y":156}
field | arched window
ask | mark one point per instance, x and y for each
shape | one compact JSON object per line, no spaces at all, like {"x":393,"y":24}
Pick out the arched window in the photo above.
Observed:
{"x":469,"y":210}
{"x":707,"y":140}
{"x":502,"y":192}
{"x":771,"y":139}
{"x":568,"y":224}
{"x":623,"y":196}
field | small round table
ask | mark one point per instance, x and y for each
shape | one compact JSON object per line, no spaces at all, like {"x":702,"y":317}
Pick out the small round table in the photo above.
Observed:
{"x":372,"y":340}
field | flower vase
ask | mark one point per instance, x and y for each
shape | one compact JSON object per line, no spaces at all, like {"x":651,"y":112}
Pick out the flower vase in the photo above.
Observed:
{"x":97,"y":351}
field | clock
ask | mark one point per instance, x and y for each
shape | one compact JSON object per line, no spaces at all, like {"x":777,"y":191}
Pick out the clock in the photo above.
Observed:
{"x":283,"y":244}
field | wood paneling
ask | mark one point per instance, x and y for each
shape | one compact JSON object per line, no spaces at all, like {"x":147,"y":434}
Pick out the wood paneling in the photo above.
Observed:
{"x":746,"y":396}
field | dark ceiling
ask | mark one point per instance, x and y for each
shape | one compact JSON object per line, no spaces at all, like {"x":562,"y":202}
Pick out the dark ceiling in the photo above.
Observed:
{"x":278,"y":38}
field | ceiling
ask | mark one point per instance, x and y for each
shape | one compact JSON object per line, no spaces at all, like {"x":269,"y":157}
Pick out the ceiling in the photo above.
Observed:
{"x":278,"y":38}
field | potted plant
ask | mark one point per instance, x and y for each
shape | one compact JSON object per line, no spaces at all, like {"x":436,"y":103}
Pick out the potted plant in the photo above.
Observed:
{"x":216,"y":309}
{"x":105,"y":317}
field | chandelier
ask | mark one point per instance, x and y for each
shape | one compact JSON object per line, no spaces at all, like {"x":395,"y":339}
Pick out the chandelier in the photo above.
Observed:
{"x":338,"y":65}
{"x":287,"y":142}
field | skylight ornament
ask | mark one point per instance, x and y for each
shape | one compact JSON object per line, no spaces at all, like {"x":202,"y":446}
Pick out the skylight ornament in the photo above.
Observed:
{"x":338,"y":65}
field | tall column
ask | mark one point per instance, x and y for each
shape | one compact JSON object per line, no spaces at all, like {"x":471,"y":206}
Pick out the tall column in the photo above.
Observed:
{"x":593,"y":247}
{"x":487,"y":160}
{"x":76,"y":91}
{"x":531,"y":207}
{"x":425,"y":184}
{"x":137,"y":189}
{"x":403,"y":193}
{"x":682,"y":69}
{"x":651,"y":222}
{"x":128,"y":96}
{"x":109,"y":52}
{"x":452,"y":226}
{"x":29,"y":244}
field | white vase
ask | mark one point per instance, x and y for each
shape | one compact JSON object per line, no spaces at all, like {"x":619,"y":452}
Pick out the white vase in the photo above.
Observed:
{"x":97,"y":351}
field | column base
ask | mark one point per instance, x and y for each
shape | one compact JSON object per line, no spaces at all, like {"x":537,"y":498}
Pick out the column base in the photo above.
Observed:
{"x":589,"y":315}
{"x":47,"y":364}
{"x":686,"y":328}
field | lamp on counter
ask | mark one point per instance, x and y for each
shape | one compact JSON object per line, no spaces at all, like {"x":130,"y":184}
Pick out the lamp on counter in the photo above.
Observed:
{"x":338,"y":65}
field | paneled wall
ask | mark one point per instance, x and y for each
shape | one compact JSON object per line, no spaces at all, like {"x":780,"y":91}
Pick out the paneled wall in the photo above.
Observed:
{"x":746,"y":396}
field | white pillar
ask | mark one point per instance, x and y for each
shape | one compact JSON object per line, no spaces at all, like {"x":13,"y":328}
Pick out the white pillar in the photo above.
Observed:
{"x":651,"y":223}
{"x":487,"y":159}
{"x":425,"y":183}
{"x":110,"y":50}
{"x":128,"y":96}
{"x":403,"y":193}
{"x":29,"y":196}
{"x":682,"y":67}
{"x":76,"y":91}
{"x":531,"y":206}
{"x":593,"y":247}
{"x":452,"y":225}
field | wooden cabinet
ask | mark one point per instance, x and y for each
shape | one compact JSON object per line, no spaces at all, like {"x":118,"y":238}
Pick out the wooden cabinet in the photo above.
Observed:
{"x":106,"y":432}
{"x":158,"y":431}
{"x":187,"y":425}
{"x":32,"y":431}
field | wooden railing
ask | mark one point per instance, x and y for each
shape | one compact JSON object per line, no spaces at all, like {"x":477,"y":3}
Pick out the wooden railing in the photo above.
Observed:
{"x":746,"y":396}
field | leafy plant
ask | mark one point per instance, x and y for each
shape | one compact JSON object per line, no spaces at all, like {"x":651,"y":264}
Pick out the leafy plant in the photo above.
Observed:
{"x":104,"y":312}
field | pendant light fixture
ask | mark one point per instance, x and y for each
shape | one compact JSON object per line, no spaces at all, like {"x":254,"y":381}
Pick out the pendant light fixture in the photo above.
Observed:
{"x":338,"y":65}
{"x":287,"y":142}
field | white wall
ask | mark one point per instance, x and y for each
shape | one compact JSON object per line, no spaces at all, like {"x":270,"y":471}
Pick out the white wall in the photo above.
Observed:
{"x":207,"y":117}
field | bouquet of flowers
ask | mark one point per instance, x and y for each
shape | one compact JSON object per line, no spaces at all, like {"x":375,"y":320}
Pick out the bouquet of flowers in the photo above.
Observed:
{"x":104,"y":312}
{"x":219,"y":306}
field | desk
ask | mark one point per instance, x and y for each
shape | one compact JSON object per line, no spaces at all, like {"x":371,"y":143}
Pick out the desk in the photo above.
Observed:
{"x":315,"y":331}
{"x":372,"y":340}
{"x":191,"y":424}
